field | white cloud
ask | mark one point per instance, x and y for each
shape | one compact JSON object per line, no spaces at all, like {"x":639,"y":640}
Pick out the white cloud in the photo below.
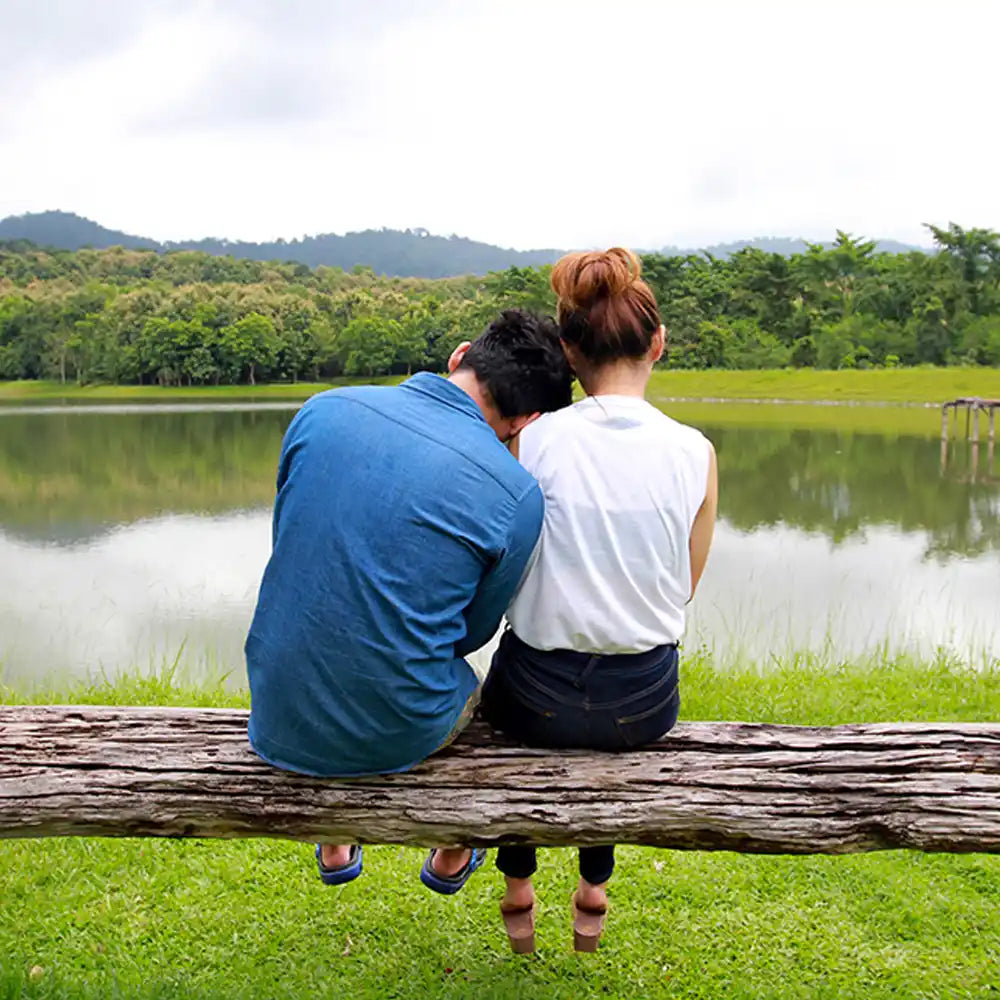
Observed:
{"x":559,"y":123}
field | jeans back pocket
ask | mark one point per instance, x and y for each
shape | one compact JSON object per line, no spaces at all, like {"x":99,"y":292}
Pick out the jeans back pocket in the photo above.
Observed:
{"x":647,"y":726}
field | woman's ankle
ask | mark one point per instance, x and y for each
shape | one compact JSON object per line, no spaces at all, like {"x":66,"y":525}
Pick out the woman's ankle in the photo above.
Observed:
{"x":519,"y":892}
{"x":591,"y":894}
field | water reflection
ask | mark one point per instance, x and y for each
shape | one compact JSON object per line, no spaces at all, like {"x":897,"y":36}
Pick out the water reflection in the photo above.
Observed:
{"x":138,"y":597}
{"x":70,"y":476}
{"x":125,"y":538}
{"x":969,"y":461}
{"x":184,"y":586}
{"x":777,"y":591}
{"x":838,"y":484}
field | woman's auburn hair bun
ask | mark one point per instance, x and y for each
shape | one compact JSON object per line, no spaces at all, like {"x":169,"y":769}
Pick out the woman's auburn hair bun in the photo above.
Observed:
{"x":581,"y":279}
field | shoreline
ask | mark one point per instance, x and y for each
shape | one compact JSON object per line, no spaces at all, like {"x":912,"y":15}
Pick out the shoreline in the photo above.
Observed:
{"x":103,"y":404}
{"x":911,"y":387}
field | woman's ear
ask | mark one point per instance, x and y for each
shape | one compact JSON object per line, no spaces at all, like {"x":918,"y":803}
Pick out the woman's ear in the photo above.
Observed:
{"x":657,"y":344}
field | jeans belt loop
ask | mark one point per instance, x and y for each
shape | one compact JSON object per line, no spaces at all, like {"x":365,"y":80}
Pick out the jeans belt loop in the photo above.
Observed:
{"x":589,"y":666}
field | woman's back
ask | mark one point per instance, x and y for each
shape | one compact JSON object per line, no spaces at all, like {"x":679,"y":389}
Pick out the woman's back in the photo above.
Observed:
{"x":622,"y":483}
{"x":630,"y":500}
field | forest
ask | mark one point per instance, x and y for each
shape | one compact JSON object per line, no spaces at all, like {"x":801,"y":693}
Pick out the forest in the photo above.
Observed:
{"x":185,"y":317}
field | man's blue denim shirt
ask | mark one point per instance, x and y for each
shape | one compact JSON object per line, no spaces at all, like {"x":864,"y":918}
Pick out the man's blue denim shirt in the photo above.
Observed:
{"x":401,"y":529}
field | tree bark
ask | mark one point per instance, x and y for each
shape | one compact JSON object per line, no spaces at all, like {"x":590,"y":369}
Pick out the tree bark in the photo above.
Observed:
{"x":67,"y":771}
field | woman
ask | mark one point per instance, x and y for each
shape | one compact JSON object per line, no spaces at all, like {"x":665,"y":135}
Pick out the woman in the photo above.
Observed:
{"x":590,"y":657}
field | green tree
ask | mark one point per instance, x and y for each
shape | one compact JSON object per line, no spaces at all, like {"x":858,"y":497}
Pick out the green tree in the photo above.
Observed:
{"x":975,"y":254}
{"x":368,"y":345}
{"x":931,"y":336}
{"x":247,"y":346}
{"x":980,"y":341}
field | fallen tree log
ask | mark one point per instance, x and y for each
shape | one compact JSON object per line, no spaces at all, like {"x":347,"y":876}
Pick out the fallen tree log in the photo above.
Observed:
{"x":160,"y":772}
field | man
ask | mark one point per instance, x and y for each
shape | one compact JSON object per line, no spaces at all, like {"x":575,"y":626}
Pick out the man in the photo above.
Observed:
{"x":402,"y":526}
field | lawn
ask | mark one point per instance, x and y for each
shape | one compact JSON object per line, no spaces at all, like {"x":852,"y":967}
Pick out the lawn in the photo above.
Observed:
{"x":28,"y":391}
{"x":896,"y":420}
{"x":895,"y":385}
{"x":206,"y":919}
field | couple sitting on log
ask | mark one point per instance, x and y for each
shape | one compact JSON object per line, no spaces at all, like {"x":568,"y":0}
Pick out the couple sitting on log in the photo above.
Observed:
{"x":410,"y":520}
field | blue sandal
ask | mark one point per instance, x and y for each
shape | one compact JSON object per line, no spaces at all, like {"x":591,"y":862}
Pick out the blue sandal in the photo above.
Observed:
{"x":447,"y":885}
{"x":343,"y":873}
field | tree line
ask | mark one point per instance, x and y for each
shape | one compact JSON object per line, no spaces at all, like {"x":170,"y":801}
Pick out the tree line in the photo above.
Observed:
{"x":187,"y":317}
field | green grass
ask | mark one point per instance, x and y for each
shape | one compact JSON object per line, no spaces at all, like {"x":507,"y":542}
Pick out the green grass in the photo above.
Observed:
{"x":206,"y":919}
{"x":892,"y":419}
{"x":39,"y":391}
{"x":895,"y":385}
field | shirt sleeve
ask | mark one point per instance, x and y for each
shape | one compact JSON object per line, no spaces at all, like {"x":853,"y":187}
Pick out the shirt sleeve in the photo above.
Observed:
{"x":288,"y":443}
{"x":487,"y":607}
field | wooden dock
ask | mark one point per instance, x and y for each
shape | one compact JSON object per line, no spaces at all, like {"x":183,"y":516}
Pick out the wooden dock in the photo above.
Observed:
{"x":973,"y":406}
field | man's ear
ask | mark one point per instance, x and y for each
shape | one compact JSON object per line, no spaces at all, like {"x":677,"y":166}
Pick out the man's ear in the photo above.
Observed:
{"x":517,"y":424}
{"x":457,"y":355}
{"x":657,"y":345}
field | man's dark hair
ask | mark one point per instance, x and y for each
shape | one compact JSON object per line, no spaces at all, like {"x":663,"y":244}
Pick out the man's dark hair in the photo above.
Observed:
{"x":520,"y":362}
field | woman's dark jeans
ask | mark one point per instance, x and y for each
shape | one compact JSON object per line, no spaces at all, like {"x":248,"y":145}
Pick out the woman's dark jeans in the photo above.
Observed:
{"x":564,"y":699}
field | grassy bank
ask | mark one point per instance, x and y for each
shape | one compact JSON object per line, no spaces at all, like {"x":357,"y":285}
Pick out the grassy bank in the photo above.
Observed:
{"x":894,"y":420}
{"x":203,"y":919}
{"x":898,"y":385}
{"x":42,"y":391}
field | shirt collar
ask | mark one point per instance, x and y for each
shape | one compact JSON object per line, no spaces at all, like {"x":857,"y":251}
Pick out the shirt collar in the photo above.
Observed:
{"x":429,"y":384}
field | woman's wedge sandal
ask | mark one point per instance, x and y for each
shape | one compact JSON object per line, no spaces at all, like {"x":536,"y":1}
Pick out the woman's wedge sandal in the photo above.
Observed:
{"x":519,"y":922}
{"x":343,"y":873}
{"x":588,"y":922}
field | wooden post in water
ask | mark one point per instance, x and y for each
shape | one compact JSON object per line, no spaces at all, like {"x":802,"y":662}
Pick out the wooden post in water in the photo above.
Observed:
{"x":973,"y":405}
{"x":991,"y":438}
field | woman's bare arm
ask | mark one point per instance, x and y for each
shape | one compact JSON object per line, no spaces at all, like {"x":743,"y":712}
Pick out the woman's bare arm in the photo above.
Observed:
{"x":704,"y":522}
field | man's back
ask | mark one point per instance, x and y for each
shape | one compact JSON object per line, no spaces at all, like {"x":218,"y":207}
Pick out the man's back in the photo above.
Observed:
{"x":401,"y":529}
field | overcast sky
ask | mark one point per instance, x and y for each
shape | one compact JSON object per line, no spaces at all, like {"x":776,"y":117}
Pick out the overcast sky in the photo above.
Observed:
{"x":528,"y":123}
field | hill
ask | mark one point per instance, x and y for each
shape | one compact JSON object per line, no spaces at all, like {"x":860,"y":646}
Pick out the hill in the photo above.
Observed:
{"x":784,"y":245}
{"x":402,"y":253}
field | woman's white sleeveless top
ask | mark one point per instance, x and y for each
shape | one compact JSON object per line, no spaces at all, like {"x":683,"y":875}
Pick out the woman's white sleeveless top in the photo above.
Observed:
{"x":611,"y":572}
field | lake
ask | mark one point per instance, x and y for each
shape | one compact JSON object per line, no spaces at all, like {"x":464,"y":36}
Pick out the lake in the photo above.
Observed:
{"x":135,"y":537}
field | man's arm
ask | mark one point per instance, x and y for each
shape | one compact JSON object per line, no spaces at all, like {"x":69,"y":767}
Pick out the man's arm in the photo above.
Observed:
{"x":487,"y":607}
{"x":704,"y":522}
{"x":288,"y":449}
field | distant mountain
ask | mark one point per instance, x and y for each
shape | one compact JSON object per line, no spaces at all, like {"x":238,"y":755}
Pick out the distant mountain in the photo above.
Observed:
{"x":67,"y":231}
{"x":403,"y":253}
{"x":784,"y":245}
